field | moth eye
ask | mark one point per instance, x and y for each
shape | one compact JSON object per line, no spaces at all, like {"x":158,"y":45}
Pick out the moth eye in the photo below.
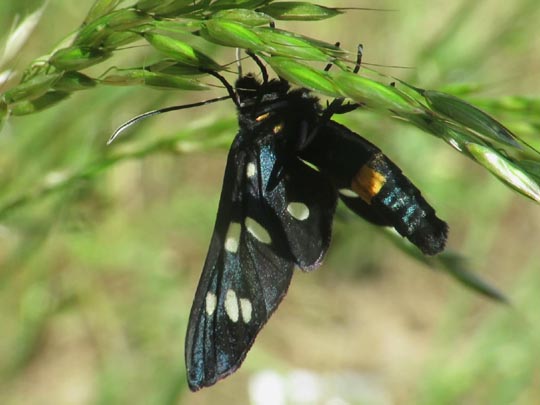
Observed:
{"x":347,"y":192}
{"x":231,"y":306}
{"x":257,"y":231}
{"x":278,"y":128}
{"x":233,"y":237}
{"x":298,"y":210}
{"x":262,"y":117}
{"x":251,"y":170}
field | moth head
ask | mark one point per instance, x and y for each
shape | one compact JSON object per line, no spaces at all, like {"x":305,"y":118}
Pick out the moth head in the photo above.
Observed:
{"x":250,"y":91}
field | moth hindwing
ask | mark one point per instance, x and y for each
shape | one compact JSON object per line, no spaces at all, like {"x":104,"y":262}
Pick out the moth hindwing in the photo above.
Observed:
{"x":285,"y":170}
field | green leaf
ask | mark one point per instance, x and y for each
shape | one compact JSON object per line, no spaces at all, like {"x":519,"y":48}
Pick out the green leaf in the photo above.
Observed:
{"x":77,"y":57}
{"x":180,"y":51}
{"x":172,"y":82}
{"x":74,"y":81}
{"x":470,"y":117}
{"x":241,"y":15}
{"x":159,"y":6}
{"x":172,"y":67}
{"x":3,"y":113}
{"x":238,"y":4}
{"x":125,"y":19}
{"x":454,"y":134}
{"x":455,"y":265}
{"x":30,"y":89}
{"x":41,"y":103}
{"x":284,"y":43}
{"x":230,"y":33}
{"x":509,"y":172}
{"x":180,"y":7}
{"x":186,"y":26}
{"x":150,"y":5}
{"x":449,"y":262}
{"x":303,"y":75}
{"x":93,"y":34}
{"x":299,"y":10}
{"x":100,"y":8}
{"x":118,"y":39}
{"x":457,"y":137}
{"x":153,"y":79}
{"x":375,"y":94}
{"x":325,"y":47}
{"x":531,"y":167}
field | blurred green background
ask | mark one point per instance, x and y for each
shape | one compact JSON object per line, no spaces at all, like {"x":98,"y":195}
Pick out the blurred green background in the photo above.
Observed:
{"x":97,"y":278}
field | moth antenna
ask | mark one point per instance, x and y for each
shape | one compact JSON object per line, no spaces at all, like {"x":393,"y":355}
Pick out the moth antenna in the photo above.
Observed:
{"x":238,"y":62}
{"x":359,"y":55}
{"x":261,"y":66}
{"x":230,"y":89}
{"x":148,"y":114}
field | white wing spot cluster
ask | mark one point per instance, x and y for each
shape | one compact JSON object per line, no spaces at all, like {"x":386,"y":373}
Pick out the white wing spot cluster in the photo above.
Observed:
{"x":347,"y":193}
{"x":257,"y":231}
{"x":235,"y":306}
{"x":298,"y":210}
{"x":211,"y":303}
{"x":233,"y":237}
{"x":251,"y":170}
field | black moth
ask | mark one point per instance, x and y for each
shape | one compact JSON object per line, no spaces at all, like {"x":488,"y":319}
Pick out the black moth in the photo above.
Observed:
{"x":285,"y":170}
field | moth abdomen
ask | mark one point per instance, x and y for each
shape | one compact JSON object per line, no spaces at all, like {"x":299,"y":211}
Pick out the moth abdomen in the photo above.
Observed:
{"x":381,"y":184}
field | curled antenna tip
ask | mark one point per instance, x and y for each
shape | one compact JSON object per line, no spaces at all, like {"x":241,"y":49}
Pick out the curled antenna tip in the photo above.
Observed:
{"x":147,"y":114}
{"x":129,"y":123}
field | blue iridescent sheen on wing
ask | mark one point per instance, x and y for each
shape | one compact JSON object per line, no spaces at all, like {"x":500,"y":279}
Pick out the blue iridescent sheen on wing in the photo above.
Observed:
{"x":274,"y":213}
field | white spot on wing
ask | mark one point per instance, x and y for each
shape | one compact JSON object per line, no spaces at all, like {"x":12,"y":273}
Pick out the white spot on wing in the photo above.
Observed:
{"x":231,"y":305}
{"x":298,"y":210}
{"x":257,"y":230}
{"x":251,"y":170}
{"x":233,"y":237}
{"x":347,"y":193}
{"x":245,"y":306}
{"x":211,"y":303}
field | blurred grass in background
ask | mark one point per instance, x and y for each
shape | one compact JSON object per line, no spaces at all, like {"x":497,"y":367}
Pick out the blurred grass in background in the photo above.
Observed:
{"x":96,"y":280}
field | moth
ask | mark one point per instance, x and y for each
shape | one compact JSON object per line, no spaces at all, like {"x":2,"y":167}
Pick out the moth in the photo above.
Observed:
{"x":286,"y":169}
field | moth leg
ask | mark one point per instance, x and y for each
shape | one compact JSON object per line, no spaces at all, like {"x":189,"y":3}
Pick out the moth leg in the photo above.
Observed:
{"x":337,"y":107}
{"x":329,"y":65}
